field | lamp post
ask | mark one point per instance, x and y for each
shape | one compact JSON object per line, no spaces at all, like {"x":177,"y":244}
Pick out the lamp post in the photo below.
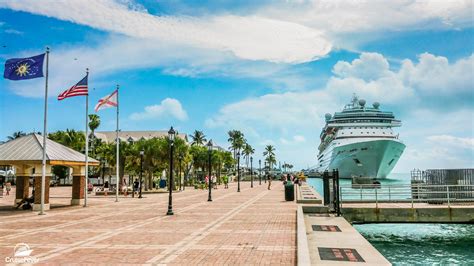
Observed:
{"x":259,"y":171}
{"x":171,"y":134}
{"x":142,"y":152}
{"x":209,"y":151}
{"x":265,"y":169}
{"x":238,"y":170}
{"x":251,"y":172}
{"x":180,"y":158}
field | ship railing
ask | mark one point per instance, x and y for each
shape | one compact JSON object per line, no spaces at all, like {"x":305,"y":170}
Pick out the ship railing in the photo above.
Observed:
{"x":406,"y":193}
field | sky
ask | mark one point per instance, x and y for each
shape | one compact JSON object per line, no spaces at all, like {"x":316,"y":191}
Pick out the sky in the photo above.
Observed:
{"x":271,"y":69}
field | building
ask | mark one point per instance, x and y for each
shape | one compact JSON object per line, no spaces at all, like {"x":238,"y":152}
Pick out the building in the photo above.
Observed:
{"x":132,"y":136}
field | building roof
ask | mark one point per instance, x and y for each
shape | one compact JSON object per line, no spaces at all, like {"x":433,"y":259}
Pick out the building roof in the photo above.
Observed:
{"x":109,"y":136}
{"x":29,"y":148}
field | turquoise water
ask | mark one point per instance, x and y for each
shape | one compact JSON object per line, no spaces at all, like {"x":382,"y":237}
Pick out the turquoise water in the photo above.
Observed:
{"x":416,"y":244}
{"x":422,"y":244}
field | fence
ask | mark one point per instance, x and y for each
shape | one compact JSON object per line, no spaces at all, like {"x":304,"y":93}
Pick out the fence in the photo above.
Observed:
{"x":409,"y":193}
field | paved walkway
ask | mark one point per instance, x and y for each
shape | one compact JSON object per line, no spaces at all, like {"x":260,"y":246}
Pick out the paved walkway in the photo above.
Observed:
{"x":255,"y":226}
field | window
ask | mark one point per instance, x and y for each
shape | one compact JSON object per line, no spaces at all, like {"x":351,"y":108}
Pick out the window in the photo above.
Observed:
{"x":351,"y":132}
{"x":357,"y":161}
{"x":391,"y":161}
{"x":353,"y":150}
{"x":364,"y":149}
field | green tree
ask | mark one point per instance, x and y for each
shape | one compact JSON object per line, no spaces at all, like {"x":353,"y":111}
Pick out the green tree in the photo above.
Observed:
{"x":270,"y":156}
{"x":75,"y":140}
{"x":247,"y":153}
{"x":16,"y":135}
{"x":94,"y":123}
{"x":198,"y":138}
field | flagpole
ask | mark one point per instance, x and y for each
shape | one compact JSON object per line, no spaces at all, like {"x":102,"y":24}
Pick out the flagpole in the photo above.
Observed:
{"x":43,"y":166}
{"x":118,"y":149}
{"x":87,"y":143}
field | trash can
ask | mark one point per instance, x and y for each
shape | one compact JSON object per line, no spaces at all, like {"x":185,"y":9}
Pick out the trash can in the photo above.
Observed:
{"x":162,"y":183}
{"x":289,"y":191}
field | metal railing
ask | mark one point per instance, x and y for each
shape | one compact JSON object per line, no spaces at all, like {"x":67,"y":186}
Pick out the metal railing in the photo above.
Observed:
{"x":409,"y":193}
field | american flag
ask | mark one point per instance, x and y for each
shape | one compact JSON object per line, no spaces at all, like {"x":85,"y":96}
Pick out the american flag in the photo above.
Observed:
{"x":80,"y":89}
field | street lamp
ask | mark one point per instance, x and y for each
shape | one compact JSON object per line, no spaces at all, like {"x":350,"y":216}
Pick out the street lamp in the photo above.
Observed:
{"x":259,"y":171}
{"x":171,"y":134}
{"x":181,"y":186}
{"x":265,"y":169}
{"x":238,"y":170}
{"x":251,"y":172}
{"x":209,"y":151}
{"x":142,"y":153}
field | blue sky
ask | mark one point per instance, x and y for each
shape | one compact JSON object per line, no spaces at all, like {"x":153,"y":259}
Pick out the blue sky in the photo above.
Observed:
{"x":271,"y":70}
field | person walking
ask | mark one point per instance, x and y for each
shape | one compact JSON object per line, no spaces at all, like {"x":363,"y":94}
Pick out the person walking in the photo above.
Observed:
{"x":106,"y":188}
{"x":124,"y":187}
{"x":226,"y":181}
{"x":269,"y":178}
{"x":8,"y":187}
{"x":207,"y":181}
{"x":136,"y":185}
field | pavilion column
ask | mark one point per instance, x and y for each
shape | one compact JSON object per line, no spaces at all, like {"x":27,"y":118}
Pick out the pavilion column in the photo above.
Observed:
{"x":78,"y":186}
{"x":37,"y":193}
{"x":22,"y":188}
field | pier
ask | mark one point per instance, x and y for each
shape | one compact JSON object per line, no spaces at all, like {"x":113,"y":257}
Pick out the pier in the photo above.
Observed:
{"x":255,"y":226}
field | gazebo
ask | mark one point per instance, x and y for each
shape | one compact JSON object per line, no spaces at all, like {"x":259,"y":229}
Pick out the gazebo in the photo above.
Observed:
{"x":25,"y":154}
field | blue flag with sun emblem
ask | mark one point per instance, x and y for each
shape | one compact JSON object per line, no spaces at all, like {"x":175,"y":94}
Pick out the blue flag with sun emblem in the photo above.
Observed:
{"x":24,"y":68}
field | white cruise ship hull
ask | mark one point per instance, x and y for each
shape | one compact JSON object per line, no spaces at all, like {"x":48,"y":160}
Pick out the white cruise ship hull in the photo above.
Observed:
{"x":366,"y":157}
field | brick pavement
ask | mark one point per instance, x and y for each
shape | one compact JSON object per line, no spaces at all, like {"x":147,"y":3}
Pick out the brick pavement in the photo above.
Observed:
{"x":255,"y":226}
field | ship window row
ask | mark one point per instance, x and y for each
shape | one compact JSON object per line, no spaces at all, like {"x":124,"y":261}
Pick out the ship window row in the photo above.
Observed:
{"x":367,"y":127}
{"x":373,"y":132}
{"x":353,"y":150}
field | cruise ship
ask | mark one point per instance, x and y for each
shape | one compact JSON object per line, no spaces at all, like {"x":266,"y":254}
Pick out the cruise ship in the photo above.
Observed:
{"x":360,"y":141}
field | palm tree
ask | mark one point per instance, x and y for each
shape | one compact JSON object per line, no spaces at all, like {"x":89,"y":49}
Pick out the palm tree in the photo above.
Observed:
{"x":247,"y":152}
{"x":270,"y":154}
{"x":94,"y":123}
{"x":16,"y":135}
{"x":237,"y":141}
{"x":198,"y":138}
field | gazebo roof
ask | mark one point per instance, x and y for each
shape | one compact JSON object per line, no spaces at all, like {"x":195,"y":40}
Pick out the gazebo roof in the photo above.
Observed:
{"x":29,"y":149}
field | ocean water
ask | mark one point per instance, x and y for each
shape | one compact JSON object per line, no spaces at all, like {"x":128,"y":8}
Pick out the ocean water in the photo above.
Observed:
{"x":422,"y":244}
{"x":416,"y":244}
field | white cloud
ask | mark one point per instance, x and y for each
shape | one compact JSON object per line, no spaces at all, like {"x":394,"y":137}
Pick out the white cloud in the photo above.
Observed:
{"x":370,"y":66}
{"x":13,"y":31}
{"x":167,"y":107}
{"x":281,"y":111}
{"x":294,"y":140}
{"x":454,"y":142}
{"x":432,"y":75}
{"x":249,"y":37}
{"x":280,"y":116}
{"x":342,"y":16}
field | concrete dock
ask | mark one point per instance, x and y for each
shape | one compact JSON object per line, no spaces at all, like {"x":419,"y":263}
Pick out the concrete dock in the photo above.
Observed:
{"x":324,"y":239}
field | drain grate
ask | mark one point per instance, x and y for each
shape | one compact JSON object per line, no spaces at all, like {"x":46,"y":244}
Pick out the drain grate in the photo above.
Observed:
{"x":340,"y":254}
{"x":326,"y":228}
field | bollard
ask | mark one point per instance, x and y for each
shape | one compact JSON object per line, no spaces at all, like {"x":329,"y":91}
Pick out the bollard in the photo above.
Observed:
{"x":376,"y":199}
{"x":326,"y":188}
{"x":338,"y":202}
